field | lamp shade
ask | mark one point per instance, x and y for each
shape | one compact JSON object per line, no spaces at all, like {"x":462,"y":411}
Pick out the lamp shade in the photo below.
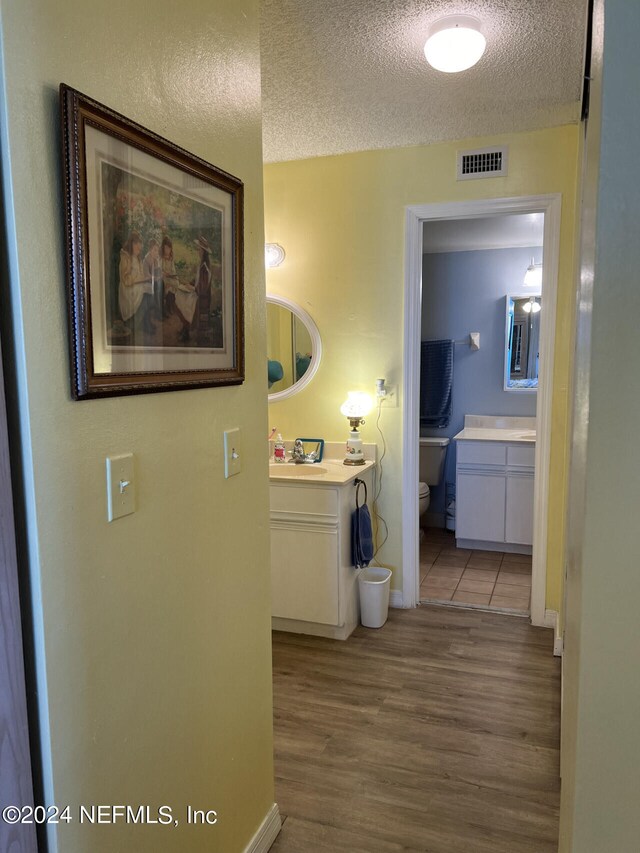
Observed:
{"x":455,"y":43}
{"x":357,"y":405}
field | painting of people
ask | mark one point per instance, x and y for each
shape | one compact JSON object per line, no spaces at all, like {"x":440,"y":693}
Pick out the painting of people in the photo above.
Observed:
{"x":155,"y":258}
{"x":163,"y":261}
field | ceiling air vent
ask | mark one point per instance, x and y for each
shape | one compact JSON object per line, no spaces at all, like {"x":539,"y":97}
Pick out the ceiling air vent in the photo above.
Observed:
{"x":482,"y":163}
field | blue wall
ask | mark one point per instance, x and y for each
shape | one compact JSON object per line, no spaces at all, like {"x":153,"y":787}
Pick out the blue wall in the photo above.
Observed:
{"x":464,"y":292}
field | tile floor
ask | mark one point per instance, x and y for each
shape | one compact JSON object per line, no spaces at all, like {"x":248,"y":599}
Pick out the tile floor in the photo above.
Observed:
{"x":487,"y":579}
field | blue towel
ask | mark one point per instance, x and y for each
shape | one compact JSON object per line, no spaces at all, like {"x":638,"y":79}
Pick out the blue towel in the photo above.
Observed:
{"x":275,"y":371}
{"x":361,"y":531}
{"x":302,"y":364}
{"x":436,"y":383}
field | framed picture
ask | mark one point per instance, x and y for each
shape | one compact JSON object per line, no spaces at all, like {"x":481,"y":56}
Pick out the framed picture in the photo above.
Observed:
{"x":154,"y":248}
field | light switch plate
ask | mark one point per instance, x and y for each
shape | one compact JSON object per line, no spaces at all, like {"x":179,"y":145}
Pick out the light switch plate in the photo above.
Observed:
{"x":232,"y":452}
{"x":121,"y":487}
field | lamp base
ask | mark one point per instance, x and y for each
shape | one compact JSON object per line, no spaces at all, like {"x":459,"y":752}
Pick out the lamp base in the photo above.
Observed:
{"x":354,"y":456}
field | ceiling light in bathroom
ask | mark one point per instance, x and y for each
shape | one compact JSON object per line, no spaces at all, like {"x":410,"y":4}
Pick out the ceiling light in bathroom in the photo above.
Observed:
{"x":533,"y":275}
{"x":455,"y":43}
{"x":273,"y":255}
{"x":532,"y":307}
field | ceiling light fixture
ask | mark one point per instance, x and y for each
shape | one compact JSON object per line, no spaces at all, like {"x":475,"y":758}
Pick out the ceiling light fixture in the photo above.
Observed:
{"x":273,"y":255}
{"x":455,"y":43}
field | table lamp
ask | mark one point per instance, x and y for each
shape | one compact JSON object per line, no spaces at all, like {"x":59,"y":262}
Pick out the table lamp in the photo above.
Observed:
{"x":355,"y":407}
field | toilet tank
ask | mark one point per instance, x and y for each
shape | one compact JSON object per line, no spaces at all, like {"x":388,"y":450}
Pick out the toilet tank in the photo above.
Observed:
{"x":433,"y":452}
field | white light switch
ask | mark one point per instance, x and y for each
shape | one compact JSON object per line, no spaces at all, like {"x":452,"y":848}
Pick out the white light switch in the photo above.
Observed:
{"x":121,"y":489}
{"x":232,"y":452}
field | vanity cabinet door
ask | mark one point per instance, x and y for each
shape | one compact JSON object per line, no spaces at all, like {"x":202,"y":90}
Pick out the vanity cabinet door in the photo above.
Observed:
{"x":304,"y":575}
{"x":480,"y":502}
{"x":519,"y":520}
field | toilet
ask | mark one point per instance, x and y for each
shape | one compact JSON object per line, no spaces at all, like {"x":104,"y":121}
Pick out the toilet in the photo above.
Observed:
{"x":433,"y":452}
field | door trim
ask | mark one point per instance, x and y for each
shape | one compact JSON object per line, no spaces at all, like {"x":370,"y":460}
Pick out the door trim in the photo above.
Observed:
{"x":416,"y":215}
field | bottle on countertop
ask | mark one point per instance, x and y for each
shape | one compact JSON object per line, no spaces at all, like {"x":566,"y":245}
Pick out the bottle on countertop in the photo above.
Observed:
{"x":279,"y":450}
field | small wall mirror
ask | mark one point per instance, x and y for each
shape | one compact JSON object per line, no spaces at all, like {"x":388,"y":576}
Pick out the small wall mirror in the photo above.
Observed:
{"x":522,"y":343}
{"x":293,"y":348}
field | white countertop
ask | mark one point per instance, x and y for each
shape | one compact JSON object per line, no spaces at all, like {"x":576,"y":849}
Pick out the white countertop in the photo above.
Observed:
{"x":527,"y":436}
{"x":497,"y":428}
{"x":331,"y":472}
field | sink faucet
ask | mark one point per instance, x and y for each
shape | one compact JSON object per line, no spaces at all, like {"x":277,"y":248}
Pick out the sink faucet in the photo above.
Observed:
{"x":297,"y":454}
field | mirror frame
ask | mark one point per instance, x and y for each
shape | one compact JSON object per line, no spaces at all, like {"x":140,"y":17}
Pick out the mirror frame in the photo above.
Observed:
{"x":506,"y":371}
{"x":316,"y":344}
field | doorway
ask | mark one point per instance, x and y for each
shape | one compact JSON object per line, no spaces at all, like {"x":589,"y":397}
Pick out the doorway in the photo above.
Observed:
{"x":416,"y":216}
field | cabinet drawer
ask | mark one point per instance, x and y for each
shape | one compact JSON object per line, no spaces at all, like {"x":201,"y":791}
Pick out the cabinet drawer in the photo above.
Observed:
{"x":310,"y":500}
{"x":481,"y":453}
{"x":523,"y":457}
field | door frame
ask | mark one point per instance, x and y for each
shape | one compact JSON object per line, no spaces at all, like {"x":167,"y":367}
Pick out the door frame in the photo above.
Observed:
{"x":416,"y":216}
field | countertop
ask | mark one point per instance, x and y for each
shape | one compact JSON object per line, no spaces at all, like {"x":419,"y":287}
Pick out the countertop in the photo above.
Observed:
{"x":498,"y":428}
{"x":331,"y":472}
{"x":526,"y":436}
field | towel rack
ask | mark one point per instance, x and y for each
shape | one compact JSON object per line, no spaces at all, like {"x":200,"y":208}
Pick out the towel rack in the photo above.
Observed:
{"x":472,"y":340}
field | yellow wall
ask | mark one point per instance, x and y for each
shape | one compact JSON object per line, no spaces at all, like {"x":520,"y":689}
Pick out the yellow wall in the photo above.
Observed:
{"x":341,"y":222}
{"x":152,"y":633}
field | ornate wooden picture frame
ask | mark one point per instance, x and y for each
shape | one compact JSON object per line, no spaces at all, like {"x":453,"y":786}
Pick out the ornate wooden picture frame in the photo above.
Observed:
{"x":155,"y":259}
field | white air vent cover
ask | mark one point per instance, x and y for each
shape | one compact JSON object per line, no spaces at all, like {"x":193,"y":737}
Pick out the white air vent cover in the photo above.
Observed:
{"x":482,"y":163}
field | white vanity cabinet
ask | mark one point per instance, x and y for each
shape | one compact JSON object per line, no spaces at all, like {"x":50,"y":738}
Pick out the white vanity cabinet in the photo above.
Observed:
{"x":313,"y":582}
{"x":494,"y":495}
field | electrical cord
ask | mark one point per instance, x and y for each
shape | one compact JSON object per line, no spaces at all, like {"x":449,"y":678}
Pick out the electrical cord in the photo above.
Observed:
{"x":378,"y":482}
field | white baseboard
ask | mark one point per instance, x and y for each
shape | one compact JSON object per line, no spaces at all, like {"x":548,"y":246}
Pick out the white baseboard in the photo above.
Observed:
{"x":395,"y":598}
{"x":504,"y":547}
{"x":267,"y":832}
{"x":552,"y":620}
{"x":313,"y":629}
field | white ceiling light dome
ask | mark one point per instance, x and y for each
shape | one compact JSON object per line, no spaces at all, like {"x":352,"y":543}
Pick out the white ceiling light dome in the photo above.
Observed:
{"x":455,"y":43}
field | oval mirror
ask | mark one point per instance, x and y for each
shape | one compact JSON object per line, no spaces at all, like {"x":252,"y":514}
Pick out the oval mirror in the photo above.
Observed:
{"x":293,"y":348}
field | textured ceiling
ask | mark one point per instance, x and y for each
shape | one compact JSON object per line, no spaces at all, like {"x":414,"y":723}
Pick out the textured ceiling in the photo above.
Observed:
{"x":350,"y":75}
{"x":491,"y":232}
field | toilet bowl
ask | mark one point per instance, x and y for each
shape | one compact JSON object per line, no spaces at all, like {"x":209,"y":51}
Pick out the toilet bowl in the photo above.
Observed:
{"x":424,"y":496}
{"x":433,"y":452}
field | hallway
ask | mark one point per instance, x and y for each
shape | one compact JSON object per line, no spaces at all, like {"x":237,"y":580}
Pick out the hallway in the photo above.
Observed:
{"x":438,"y":733}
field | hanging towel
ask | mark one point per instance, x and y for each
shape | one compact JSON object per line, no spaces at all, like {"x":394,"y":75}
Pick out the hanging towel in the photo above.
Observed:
{"x":361,"y":531}
{"x":275,"y":371}
{"x":436,"y":383}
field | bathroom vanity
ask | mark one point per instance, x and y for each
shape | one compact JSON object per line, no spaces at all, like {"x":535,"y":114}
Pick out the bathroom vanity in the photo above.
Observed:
{"x":495,"y":468}
{"x":313,"y":582}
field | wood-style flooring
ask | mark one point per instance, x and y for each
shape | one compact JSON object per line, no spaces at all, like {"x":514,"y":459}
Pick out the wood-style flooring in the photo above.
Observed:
{"x":437,"y":733}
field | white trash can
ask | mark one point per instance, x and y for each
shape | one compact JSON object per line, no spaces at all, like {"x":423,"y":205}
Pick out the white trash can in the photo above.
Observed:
{"x":374,"y":583}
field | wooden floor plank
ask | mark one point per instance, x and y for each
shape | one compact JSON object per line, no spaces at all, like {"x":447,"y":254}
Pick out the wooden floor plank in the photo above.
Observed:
{"x":438,"y":733}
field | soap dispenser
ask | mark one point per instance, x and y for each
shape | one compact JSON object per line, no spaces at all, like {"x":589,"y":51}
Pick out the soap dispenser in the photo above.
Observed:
{"x":279,"y":450}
